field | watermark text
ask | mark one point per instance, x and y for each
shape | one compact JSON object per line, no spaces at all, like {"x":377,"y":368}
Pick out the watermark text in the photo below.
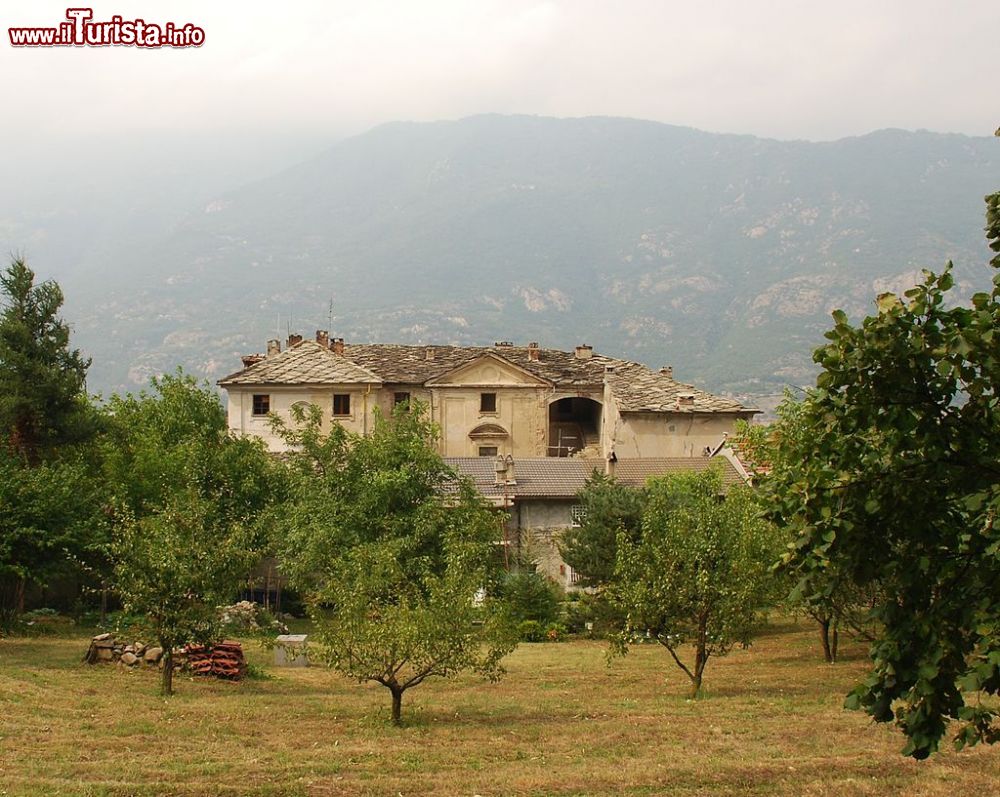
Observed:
{"x":80,"y":30}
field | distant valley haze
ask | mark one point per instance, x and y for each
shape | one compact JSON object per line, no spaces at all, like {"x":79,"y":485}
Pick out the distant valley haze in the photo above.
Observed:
{"x":721,"y":255}
{"x":689,"y":186}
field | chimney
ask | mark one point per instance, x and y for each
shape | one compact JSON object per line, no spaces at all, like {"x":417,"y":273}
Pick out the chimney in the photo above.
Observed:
{"x":323,"y":338}
{"x":500,"y":470}
{"x":584,"y":352}
{"x":509,"y":462}
{"x":251,"y":359}
{"x":667,"y":371}
{"x":609,"y":464}
{"x":533,"y":352}
{"x":337,"y":345}
{"x":273,"y":347}
{"x":429,"y":353}
{"x":293,"y":339}
{"x":685,"y":399}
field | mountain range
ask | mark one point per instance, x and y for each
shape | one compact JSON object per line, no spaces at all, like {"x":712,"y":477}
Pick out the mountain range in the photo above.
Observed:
{"x":721,"y":255}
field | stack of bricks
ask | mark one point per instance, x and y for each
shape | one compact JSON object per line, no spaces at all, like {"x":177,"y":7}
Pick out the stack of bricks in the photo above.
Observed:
{"x":223,"y":660}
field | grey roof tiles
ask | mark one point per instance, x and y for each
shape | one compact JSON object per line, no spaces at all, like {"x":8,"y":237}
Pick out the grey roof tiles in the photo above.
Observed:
{"x":635,"y":387}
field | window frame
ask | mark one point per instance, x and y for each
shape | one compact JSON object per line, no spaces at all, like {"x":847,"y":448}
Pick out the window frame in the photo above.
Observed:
{"x":493,"y":451}
{"x":333,"y":407}
{"x":257,"y":400}
{"x":482,"y":403}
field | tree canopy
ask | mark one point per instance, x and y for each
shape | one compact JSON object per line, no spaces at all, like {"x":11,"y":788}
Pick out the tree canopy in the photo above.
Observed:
{"x":187,"y":498}
{"x":700,"y":573}
{"x":608,"y":509}
{"x":50,"y":498}
{"x":43,"y":401}
{"x":399,"y":559}
{"x":896,"y":479}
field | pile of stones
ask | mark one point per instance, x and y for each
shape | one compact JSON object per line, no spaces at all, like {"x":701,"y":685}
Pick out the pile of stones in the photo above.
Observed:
{"x":104,"y":648}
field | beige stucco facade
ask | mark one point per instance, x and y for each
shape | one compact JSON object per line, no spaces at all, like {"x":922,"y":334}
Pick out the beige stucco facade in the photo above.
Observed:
{"x":524,"y":402}
{"x":243,"y":420}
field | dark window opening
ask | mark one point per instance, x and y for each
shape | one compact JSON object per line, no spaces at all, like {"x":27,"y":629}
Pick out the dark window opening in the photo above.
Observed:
{"x":261,"y":404}
{"x":400,"y":398}
{"x":487,"y":402}
{"x":342,"y":404}
{"x":488,"y":451}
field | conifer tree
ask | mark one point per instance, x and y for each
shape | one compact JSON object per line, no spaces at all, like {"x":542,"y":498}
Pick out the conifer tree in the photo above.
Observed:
{"x":42,"y":380}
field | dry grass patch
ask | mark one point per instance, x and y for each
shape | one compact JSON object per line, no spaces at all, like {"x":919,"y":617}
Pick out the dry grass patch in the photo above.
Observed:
{"x":561,"y":723}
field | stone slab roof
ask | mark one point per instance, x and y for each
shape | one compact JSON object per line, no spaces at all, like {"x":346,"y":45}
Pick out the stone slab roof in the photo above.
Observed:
{"x":635,"y":387}
{"x":639,"y":389}
{"x":565,"y":477}
{"x":410,"y":364}
{"x":305,"y":363}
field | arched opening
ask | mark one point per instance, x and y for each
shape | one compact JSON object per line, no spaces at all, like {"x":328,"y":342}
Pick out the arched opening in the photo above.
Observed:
{"x":574,"y":424}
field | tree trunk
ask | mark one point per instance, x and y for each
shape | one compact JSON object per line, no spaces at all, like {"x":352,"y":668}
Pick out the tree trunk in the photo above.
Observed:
{"x":835,"y":643}
{"x":700,"y":656}
{"x":167,"y":685}
{"x":397,"y":705}
{"x":824,"y":635}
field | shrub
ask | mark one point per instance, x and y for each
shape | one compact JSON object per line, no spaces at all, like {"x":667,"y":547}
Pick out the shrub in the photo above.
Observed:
{"x":531,"y":596}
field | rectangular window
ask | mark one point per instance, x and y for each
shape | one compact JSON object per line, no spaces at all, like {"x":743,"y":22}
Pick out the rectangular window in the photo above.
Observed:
{"x":488,"y":451}
{"x":341,"y":403}
{"x":261,"y":403}
{"x":578,"y":513}
{"x":487,"y":402}
{"x":400,"y":398}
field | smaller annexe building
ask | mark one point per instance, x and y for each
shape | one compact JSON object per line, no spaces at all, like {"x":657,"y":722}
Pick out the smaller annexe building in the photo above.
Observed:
{"x":540,"y":496}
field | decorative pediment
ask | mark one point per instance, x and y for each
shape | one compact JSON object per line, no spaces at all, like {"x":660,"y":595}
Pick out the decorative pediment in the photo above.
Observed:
{"x":489,"y":370}
{"x":489,"y":431}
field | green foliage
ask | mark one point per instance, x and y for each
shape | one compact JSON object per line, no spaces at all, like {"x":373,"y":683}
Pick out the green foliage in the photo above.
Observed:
{"x":609,"y":508}
{"x":895,"y":480}
{"x":843,"y":604}
{"x":175,"y":565}
{"x":700,"y":572}
{"x":50,"y":518}
{"x":187,"y":498}
{"x":993,"y":226}
{"x":42,"y":382}
{"x":530,"y":596}
{"x":534,"y":631}
{"x":398,"y":558}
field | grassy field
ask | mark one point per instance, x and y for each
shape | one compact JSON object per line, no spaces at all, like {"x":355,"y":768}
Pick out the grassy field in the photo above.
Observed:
{"x":560,"y":723}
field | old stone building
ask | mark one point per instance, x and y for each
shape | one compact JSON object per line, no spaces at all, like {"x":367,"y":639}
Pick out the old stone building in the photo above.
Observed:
{"x":527,"y":425}
{"x":525,"y":401}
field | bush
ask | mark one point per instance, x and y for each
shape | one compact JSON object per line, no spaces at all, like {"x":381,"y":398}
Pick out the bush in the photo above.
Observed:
{"x":583,"y":608}
{"x":556,"y":632}
{"x":531,"y":596}
{"x":531,"y":631}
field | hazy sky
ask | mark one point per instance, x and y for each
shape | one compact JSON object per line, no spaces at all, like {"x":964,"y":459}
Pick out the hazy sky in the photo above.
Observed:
{"x":786,"y":69}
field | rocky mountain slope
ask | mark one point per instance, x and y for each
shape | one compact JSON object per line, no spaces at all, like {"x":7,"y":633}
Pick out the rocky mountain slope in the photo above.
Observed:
{"x":721,"y":255}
